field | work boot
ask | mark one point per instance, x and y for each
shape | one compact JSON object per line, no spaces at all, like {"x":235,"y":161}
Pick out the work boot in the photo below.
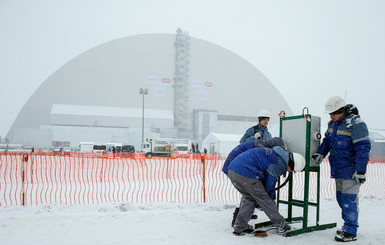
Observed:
{"x":283,"y":228}
{"x":248,"y":230}
{"x":345,"y":237}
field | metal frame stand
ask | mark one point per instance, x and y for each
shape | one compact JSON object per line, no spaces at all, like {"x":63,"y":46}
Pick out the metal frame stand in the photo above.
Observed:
{"x":305,"y":203}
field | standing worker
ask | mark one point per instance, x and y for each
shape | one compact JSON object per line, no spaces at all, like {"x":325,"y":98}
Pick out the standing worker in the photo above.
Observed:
{"x":347,"y":141}
{"x":113,"y":151}
{"x":254,"y":173}
{"x":258,"y":131}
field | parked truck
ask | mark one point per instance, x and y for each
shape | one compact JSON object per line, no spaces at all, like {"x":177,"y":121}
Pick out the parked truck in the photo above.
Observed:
{"x":165,"y":147}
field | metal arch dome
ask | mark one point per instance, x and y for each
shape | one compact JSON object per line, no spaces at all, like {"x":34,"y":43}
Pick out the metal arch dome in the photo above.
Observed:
{"x":111,"y":74}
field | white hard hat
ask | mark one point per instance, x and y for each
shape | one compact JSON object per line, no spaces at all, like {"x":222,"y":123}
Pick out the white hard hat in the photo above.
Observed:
{"x":296,"y":162}
{"x":334,"y":103}
{"x":264,"y":113}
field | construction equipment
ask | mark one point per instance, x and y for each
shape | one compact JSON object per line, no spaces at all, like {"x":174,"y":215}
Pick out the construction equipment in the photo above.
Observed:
{"x":301,"y":134}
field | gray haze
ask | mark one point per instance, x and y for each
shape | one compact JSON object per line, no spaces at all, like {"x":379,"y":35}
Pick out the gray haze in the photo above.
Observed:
{"x":310,"y":50}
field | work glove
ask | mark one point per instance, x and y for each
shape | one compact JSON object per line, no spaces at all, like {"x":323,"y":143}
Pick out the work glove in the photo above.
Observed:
{"x":359,"y":177}
{"x":317,"y":158}
{"x":257,"y":135}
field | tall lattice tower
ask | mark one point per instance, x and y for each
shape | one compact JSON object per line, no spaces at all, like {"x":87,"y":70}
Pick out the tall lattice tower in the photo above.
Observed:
{"x":181,"y":98}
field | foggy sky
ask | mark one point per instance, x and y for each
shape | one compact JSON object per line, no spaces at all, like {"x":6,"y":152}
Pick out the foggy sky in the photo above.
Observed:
{"x":310,"y":50}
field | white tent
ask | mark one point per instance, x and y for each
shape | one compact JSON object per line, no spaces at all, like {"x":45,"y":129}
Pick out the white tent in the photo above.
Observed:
{"x":221,"y":143}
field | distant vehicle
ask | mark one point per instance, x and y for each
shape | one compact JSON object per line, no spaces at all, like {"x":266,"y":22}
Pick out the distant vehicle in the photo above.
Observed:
{"x":118,"y":147}
{"x":99,"y":147}
{"x":57,"y":150}
{"x":181,"y":149}
{"x":156,"y":147}
{"x":92,"y":147}
{"x":86,"y":146}
{"x":128,"y":149}
{"x":165,"y":147}
{"x":61,"y":150}
{"x":66,"y":151}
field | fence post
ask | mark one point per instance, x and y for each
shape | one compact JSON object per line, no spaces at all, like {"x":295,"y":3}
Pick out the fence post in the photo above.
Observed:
{"x":32,"y":160}
{"x":25,"y":159}
{"x":203,"y":160}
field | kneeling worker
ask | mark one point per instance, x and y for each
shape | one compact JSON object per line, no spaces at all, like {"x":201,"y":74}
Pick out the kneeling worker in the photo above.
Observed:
{"x":254,"y":173}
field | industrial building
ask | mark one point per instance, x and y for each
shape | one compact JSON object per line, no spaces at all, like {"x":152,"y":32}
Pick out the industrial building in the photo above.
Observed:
{"x":147,"y":86}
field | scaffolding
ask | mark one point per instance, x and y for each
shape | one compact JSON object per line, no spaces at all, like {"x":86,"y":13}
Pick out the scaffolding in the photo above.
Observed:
{"x":181,"y":96}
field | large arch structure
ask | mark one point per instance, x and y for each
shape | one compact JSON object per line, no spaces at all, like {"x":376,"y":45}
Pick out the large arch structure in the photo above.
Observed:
{"x":97,"y":94}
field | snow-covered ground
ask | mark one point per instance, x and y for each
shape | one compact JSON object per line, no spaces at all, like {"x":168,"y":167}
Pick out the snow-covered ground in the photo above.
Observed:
{"x":168,"y":223}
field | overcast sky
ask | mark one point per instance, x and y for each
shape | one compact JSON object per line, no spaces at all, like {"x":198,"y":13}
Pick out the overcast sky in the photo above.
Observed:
{"x":309,"y":49}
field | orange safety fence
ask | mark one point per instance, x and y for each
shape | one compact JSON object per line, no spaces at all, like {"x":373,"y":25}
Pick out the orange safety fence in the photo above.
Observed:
{"x":374,"y":185}
{"x":78,"y":178}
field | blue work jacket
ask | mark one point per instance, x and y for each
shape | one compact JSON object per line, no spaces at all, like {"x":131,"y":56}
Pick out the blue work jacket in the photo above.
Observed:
{"x":262,"y":163}
{"x":270,"y":143}
{"x":348,"y":142}
{"x":249,"y":134}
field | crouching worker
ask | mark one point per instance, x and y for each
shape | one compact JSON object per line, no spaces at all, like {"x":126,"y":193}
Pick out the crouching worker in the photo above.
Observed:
{"x":254,"y":173}
{"x":270,"y":143}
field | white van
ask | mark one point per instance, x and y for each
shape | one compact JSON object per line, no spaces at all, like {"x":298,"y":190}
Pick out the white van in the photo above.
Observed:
{"x":86,"y":146}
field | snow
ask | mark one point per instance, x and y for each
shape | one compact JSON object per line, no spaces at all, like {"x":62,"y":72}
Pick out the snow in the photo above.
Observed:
{"x":169,"y":223}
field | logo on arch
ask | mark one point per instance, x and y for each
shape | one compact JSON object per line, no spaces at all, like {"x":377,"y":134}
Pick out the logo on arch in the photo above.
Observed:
{"x":209,"y":84}
{"x":166,"y":80}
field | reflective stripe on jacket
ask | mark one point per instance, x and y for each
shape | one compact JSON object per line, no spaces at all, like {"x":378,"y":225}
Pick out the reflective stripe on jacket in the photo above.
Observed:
{"x":348,"y":142}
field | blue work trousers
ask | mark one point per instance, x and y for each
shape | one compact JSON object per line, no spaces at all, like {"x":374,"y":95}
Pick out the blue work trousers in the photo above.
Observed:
{"x":347,"y":198}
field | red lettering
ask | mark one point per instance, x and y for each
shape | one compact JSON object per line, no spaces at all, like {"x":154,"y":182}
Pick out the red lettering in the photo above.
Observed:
{"x":209,"y":84}
{"x":166,"y":80}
